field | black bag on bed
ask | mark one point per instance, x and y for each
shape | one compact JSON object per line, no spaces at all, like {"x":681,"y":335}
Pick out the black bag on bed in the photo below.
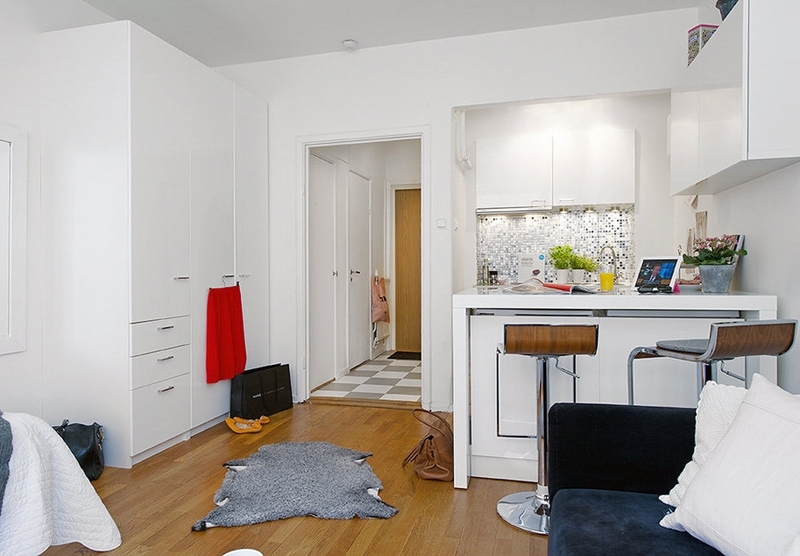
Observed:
{"x":86,"y":444}
{"x":261,"y":391}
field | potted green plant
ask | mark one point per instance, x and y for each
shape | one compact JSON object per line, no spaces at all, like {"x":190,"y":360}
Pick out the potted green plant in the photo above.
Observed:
{"x":582,"y":264}
{"x":561,"y":256}
{"x":714,"y":256}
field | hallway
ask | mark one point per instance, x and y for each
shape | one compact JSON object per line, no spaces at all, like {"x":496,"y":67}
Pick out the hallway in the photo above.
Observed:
{"x":380,"y":380}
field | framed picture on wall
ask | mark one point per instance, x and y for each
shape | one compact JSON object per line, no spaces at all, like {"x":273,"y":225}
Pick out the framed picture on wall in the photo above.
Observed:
{"x":657,"y":271}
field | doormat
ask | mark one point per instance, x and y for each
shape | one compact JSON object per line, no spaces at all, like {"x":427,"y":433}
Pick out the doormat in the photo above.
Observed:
{"x":406,"y":355}
{"x":291,"y":479}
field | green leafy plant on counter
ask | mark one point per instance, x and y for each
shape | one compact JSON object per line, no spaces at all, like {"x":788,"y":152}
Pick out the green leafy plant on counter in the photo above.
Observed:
{"x":562,"y":256}
{"x":582,"y":262}
{"x":714,"y":250}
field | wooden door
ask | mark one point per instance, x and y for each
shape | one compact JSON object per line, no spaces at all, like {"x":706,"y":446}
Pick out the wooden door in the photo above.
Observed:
{"x":408,"y":271}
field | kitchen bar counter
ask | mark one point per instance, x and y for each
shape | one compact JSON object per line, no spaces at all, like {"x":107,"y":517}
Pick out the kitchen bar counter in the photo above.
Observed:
{"x":627,"y":319}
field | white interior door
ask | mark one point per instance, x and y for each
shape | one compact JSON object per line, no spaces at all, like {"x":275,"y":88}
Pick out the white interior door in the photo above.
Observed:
{"x":321,"y":271}
{"x":358,"y":297}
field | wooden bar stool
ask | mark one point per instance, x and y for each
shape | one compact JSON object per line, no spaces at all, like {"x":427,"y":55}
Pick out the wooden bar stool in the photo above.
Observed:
{"x":531,"y":510}
{"x":728,"y":340}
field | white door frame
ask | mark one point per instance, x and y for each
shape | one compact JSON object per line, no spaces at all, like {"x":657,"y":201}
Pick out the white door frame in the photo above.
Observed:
{"x":303,"y":147}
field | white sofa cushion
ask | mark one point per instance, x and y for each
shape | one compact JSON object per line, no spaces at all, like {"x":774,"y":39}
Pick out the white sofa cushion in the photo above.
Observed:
{"x":744,"y":498}
{"x":716,"y":409}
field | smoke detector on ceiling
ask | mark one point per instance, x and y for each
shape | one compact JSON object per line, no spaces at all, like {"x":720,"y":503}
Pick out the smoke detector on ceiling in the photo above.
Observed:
{"x":350,"y":45}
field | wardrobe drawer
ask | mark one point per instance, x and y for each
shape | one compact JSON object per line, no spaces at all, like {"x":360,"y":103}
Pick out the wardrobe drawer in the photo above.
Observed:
{"x":155,"y":335}
{"x":160,"y":412}
{"x":159,"y":365}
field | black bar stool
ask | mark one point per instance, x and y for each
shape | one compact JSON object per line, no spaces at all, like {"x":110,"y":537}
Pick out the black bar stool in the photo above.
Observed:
{"x":531,"y":510}
{"x":728,"y":340}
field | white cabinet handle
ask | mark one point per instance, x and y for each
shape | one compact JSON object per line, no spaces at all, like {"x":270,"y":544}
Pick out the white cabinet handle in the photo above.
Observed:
{"x":167,"y":389}
{"x":167,"y":358}
{"x":180,"y":277}
{"x":171,"y":326}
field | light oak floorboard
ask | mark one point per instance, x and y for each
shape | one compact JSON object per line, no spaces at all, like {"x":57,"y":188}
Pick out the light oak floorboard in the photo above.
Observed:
{"x":156,"y":502}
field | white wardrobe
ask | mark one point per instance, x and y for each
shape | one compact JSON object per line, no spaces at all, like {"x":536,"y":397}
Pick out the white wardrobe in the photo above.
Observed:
{"x":154,"y":188}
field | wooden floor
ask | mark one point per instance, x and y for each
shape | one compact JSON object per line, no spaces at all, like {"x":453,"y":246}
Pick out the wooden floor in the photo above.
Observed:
{"x":156,"y":502}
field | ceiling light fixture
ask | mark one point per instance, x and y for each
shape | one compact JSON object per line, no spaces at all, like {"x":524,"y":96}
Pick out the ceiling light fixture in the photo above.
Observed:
{"x":350,"y":45}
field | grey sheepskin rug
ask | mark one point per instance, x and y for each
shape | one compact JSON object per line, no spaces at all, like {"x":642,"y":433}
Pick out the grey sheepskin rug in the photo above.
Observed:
{"x":295,"y":479}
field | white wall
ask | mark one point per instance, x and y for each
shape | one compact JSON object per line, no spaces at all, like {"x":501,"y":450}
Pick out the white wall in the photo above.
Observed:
{"x":765,"y":210}
{"x":20,"y":26}
{"x":415,"y":87}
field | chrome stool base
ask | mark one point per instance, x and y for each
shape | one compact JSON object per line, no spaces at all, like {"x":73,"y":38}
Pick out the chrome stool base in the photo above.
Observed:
{"x":528,"y":511}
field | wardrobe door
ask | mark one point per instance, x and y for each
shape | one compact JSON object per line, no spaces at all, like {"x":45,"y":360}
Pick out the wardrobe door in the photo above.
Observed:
{"x":252,"y":224}
{"x":159,"y":196}
{"x":211,"y":141}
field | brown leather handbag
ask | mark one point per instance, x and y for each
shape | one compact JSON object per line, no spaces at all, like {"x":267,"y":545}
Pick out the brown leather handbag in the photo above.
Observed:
{"x":433,"y":455}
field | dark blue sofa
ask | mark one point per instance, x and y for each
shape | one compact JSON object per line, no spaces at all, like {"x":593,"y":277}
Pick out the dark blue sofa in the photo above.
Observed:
{"x":607,"y":466}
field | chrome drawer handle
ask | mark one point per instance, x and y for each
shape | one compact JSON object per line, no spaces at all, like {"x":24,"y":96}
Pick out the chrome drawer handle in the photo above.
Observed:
{"x":167,"y":358}
{"x":171,"y":326}
{"x":180,"y":277}
{"x":167,"y":389}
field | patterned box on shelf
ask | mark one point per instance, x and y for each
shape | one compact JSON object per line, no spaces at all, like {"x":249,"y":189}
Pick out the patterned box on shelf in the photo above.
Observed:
{"x":699,"y":35}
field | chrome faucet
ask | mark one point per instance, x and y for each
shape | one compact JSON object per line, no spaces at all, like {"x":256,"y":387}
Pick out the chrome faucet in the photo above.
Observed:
{"x":613,"y":259}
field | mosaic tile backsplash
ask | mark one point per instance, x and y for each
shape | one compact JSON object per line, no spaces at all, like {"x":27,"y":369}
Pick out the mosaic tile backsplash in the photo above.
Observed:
{"x":503,"y":238}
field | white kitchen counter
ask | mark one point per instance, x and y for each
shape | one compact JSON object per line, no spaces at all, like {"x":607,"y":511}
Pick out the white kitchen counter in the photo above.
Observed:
{"x":626,"y":315}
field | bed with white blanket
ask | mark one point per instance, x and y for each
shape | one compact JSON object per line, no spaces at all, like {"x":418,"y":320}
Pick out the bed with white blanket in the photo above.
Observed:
{"x":47,"y":499}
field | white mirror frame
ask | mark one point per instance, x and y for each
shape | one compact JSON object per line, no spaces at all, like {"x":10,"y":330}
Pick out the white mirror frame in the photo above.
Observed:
{"x":13,"y":293}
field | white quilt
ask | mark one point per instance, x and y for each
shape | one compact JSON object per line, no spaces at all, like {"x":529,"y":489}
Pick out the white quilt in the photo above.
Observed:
{"x":48,"y":499}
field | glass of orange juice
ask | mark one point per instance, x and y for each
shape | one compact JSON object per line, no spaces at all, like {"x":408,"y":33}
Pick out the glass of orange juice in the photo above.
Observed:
{"x":606,"y":278}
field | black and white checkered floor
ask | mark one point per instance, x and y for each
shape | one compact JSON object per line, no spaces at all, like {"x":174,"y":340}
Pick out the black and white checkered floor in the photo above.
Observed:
{"x":398,"y":380}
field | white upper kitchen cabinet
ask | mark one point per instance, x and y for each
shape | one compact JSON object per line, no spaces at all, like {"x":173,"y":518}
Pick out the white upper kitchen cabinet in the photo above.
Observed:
{"x":594,"y":167}
{"x":734,"y":116}
{"x":514,"y":172}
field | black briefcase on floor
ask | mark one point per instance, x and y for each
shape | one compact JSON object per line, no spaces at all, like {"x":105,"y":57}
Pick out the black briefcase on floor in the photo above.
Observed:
{"x":261,"y":391}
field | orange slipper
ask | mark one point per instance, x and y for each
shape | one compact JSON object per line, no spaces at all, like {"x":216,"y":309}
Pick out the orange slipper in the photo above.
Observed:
{"x":239,"y":427}
{"x":263,"y":420}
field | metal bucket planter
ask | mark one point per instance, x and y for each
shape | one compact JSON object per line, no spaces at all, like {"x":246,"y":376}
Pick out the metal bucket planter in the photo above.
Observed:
{"x":716,"y":278}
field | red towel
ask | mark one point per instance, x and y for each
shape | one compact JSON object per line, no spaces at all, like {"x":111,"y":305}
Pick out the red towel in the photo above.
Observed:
{"x":225,"y":350}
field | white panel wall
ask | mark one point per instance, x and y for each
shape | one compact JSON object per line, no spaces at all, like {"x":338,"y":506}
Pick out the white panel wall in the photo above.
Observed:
{"x":413,"y":87}
{"x":21,"y":373}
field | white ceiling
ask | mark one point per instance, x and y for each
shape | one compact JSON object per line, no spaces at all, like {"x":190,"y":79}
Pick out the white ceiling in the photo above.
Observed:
{"x":224,"y":32}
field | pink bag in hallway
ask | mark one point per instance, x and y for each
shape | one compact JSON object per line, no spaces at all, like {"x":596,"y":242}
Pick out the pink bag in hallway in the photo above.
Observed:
{"x":380,"y":306}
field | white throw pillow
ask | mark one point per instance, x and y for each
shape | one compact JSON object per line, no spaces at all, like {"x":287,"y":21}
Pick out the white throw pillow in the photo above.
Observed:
{"x":716,"y":409}
{"x":794,"y":547}
{"x":745,"y":499}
